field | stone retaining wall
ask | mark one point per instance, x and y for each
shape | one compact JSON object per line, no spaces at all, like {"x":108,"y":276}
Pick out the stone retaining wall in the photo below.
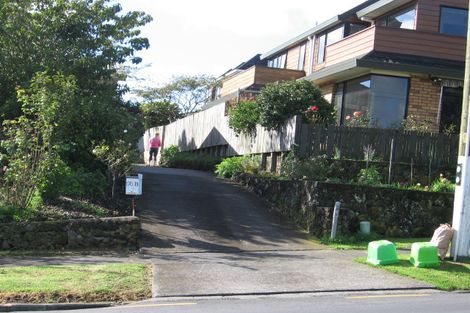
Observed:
{"x":392,"y":212}
{"x":115,"y":232}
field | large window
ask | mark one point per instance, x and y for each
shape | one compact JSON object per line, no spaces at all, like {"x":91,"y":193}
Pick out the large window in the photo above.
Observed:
{"x":321,"y":49}
{"x":301,"y":63}
{"x":382,"y":99}
{"x":454,"y":21}
{"x":278,"y":62}
{"x":405,"y":19}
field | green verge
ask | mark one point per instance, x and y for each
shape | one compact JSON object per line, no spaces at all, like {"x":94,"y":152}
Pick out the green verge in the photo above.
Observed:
{"x":448,"y":276}
{"x":359,"y":242}
{"x":75,"y":283}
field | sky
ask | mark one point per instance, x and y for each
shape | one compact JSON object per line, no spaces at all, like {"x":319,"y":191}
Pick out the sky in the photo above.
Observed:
{"x":210,"y":37}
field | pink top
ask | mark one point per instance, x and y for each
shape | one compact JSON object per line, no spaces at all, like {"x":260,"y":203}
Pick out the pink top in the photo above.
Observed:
{"x":155,"y":142}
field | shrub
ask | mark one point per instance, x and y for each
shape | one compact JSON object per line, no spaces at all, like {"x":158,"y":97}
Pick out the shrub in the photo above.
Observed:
{"x":280,"y":101}
{"x":314,"y":168}
{"x":370,"y":176}
{"x":244,"y":117}
{"x":188,"y":160}
{"x":442,"y":184}
{"x":168,"y":154}
{"x":230,"y":167}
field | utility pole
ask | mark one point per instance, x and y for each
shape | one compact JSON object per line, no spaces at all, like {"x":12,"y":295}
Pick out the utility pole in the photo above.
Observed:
{"x":461,"y":216}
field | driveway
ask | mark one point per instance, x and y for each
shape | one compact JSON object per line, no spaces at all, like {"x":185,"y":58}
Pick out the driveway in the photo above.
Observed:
{"x":207,"y":236}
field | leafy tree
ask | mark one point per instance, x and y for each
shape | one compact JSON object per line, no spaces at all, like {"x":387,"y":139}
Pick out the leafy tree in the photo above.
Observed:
{"x":30,"y":144}
{"x":280,"y":101}
{"x":118,"y":158}
{"x":159,"y":113}
{"x":85,"y":38}
{"x":188,"y":92}
{"x":244,"y":117}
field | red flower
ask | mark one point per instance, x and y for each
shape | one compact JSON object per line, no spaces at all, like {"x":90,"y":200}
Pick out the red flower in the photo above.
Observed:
{"x":357,"y":113}
{"x":314,"y":108}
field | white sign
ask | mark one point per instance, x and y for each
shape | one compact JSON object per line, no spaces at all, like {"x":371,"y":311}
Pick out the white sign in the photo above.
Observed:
{"x":134,"y":186}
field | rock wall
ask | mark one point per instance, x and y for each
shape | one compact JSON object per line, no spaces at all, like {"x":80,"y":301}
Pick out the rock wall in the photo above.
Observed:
{"x":392,"y":212}
{"x":115,"y":232}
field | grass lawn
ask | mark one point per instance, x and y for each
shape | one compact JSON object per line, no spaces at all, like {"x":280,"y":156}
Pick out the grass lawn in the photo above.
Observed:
{"x":448,"y":276}
{"x":75,"y":283}
{"x":361,"y":242}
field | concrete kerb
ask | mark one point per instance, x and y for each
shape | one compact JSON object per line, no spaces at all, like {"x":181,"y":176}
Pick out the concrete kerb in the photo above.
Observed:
{"x":53,"y":306}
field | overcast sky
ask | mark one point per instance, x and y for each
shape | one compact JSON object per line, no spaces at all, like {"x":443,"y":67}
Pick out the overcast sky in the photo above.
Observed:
{"x":209,"y":36}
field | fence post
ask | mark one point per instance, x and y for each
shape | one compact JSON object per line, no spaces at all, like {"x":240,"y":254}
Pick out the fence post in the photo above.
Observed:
{"x":392,"y":147}
{"x":334,"y":224}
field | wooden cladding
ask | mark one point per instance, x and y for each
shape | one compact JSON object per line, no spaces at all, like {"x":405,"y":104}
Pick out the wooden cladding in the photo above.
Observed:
{"x":258,"y":75}
{"x":353,"y":46}
{"x":429,"y":13}
{"x":426,"y":44}
{"x":395,"y":40}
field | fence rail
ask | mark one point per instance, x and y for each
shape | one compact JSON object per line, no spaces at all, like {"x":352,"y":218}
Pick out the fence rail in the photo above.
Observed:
{"x":419,"y":148}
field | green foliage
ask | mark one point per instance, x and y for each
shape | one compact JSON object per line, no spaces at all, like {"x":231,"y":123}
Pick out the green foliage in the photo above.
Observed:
{"x":244,"y":117}
{"x":442,"y":184}
{"x":280,"y":101}
{"x":118,"y":158}
{"x":167,"y":155}
{"x":369,"y":176}
{"x":230,"y":167}
{"x":188,"y":160}
{"x":188,"y":92}
{"x":30,"y":146}
{"x":159,"y":113}
{"x":314,"y":168}
{"x":84,"y":38}
{"x":358,"y":119}
{"x":418,"y":124}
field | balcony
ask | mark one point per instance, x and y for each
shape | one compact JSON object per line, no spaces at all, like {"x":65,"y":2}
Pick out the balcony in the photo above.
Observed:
{"x":258,"y":75}
{"x":393,"y":40}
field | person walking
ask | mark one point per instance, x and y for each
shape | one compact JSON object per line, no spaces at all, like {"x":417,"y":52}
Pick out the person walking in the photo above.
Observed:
{"x":155,"y":144}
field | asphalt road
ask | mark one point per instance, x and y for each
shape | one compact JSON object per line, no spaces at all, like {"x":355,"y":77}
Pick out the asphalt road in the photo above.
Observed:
{"x":192,"y":211}
{"x":207,"y":236}
{"x":432,"y":302}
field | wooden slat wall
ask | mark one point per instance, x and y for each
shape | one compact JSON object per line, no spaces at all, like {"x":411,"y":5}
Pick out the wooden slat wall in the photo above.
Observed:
{"x":209,"y":128}
{"x":429,"y":13}
{"x":418,"y":43}
{"x":350,"y":47}
{"x":266,"y":75}
{"x":422,"y":148}
{"x":239,"y":81}
{"x":293,"y":58}
{"x":258,"y":75}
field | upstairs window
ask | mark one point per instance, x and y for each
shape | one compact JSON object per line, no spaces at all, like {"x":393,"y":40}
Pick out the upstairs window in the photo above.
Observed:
{"x":278,"y":62}
{"x":454,"y":21}
{"x":405,"y":19}
{"x":301,"y":63}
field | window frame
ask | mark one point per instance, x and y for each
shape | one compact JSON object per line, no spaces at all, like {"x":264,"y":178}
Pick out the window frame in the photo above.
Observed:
{"x":440,"y":20}
{"x":344,"y":87}
{"x":397,"y":12}
{"x":302,"y":54}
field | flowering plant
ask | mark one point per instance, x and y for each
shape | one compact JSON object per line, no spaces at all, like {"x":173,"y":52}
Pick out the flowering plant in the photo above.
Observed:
{"x":357,"y":119}
{"x":320,"y":112}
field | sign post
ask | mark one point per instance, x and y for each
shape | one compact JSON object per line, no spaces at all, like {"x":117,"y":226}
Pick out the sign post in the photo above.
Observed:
{"x":134,"y":188}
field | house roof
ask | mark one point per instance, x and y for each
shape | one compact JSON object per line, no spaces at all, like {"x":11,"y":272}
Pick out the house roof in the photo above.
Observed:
{"x":379,"y":8}
{"x":414,"y":64}
{"x":390,"y":62}
{"x":243,"y":66}
{"x":336,"y":20}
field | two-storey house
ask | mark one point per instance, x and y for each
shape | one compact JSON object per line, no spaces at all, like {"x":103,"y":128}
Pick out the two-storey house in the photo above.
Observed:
{"x":391,"y":59}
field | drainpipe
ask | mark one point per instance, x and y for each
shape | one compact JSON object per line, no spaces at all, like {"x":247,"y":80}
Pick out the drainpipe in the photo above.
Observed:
{"x":311,"y":39}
